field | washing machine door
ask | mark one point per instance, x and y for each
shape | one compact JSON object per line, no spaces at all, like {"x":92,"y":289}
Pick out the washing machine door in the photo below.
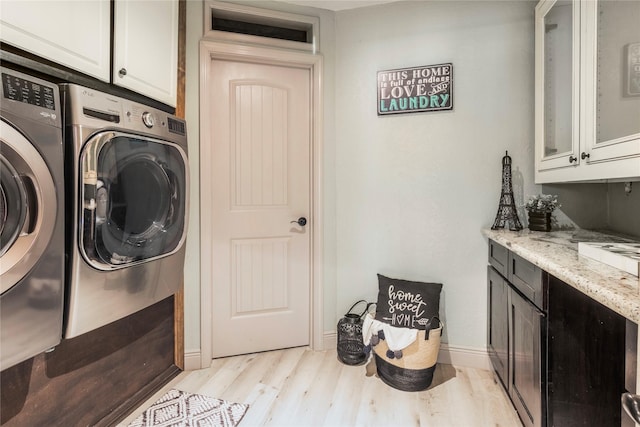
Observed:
{"x":133,"y":199}
{"x":28,"y":206}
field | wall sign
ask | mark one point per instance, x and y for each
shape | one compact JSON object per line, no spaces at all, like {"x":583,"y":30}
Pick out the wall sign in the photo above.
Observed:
{"x":416,"y":89}
{"x":633,"y":69}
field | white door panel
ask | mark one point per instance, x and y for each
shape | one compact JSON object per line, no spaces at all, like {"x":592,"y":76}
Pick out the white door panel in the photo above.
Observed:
{"x":260,"y":175}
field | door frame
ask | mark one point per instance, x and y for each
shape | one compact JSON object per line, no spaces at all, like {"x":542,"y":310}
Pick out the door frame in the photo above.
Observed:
{"x":210,"y":50}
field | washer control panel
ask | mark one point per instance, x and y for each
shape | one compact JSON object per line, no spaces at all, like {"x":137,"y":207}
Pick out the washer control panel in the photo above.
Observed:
{"x":22,"y":90}
{"x":94,"y":109}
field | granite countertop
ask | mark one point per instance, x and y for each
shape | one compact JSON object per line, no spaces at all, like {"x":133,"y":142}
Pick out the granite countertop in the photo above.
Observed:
{"x":557,"y":253}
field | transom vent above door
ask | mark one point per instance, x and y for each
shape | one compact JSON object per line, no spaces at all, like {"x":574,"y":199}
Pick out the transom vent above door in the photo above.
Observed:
{"x":246,"y":24}
{"x":260,"y":30}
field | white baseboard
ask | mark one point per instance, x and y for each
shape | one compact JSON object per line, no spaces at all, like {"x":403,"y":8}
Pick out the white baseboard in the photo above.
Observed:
{"x":469,"y":357}
{"x":192,"y":360}
{"x":329,"y":340}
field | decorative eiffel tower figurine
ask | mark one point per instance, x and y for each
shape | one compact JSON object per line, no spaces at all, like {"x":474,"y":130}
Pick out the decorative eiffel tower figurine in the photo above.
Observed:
{"x":507,"y":209}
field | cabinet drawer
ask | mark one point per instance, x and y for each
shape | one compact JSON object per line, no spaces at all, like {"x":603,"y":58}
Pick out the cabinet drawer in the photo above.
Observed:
{"x":527,"y":278}
{"x":499,"y":257}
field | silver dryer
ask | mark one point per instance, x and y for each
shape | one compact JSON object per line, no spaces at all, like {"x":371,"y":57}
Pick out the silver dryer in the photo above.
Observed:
{"x":128,"y":198}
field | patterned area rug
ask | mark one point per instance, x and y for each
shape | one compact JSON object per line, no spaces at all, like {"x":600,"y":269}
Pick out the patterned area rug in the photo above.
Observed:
{"x":181,"y":409}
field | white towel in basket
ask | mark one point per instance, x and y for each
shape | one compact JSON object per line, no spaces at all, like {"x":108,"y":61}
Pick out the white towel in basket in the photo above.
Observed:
{"x":397,"y":338}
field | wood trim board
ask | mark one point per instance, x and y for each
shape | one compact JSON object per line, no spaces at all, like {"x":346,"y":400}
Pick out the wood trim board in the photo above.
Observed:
{"x":180,"y":112}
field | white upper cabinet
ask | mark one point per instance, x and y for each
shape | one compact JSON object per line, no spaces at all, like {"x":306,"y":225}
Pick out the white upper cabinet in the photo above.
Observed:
{"x":145,"y":51}
{"x":72,"y":33}
{"x":587,"y":90}
{"x":77,"y":34}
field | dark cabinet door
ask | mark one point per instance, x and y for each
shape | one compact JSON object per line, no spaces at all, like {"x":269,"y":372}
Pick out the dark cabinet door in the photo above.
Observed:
{"x":525,"y":385}
{"x":498,"y":324}
{"x":586,"y":359}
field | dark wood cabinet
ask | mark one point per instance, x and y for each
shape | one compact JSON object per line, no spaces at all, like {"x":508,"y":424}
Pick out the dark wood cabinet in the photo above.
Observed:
{"x":498,"y":326}
{"x":559,"y":354}
{"x":516,"y":330}
{"x":526,"y":381}
{"x":586,"y":359}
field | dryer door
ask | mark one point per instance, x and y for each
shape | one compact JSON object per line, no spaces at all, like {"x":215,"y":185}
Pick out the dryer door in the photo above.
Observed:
{"x":28,"y":206}
{"x":133,"y":199}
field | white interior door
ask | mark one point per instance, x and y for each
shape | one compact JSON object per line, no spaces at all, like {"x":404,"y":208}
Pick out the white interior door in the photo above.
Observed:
{"x":260,"y":180}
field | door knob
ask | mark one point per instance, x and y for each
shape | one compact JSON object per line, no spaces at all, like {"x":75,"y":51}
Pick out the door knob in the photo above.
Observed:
{"x":122,"y":72}
{"x":572,"y":159}
{"x":302,"y":221}
{"x":585,"y":155}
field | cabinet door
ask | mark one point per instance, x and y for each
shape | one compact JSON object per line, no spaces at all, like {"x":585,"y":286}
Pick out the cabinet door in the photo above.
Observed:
{"x":145,"y":51}
{"x":557,"y":126}
{"x":586,"y":359}
{"x":75,"y":34}
{"x":611,"y":80}
{"x":525,"y":385}
{"x":498,"y":324}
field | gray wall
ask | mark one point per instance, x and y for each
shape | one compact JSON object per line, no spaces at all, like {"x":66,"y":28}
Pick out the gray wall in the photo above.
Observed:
{"x":624,"y":209}
{"x":415,"y":190}
{"x":600,"y":206}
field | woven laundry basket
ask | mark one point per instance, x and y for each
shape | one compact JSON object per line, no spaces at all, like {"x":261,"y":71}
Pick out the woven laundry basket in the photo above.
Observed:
{"x":414,"y":370}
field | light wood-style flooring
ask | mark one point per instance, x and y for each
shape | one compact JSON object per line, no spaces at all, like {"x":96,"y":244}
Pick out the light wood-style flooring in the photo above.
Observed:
{"x":301,"y":387}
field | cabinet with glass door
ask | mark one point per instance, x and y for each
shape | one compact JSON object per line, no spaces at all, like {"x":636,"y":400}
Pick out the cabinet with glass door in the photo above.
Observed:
{"x":587,"y":91}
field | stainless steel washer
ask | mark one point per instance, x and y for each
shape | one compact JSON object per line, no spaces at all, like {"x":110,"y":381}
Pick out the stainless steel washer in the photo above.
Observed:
{"x":128,"y":199}
{"x":31,"y":217}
